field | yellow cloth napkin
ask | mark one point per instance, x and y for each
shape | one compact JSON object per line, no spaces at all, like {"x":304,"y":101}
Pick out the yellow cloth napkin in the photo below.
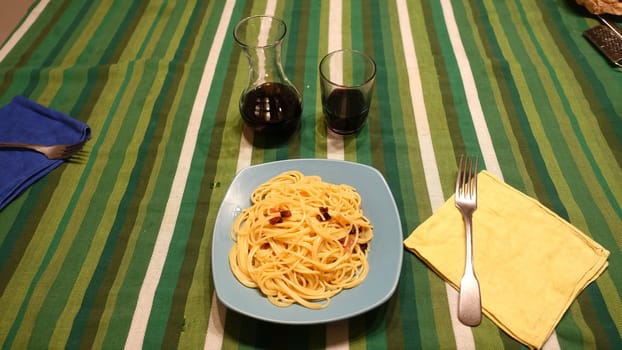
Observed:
{"x":531,"y":264}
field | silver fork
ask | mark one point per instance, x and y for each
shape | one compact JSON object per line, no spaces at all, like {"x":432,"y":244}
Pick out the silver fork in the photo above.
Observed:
{"x":469,"y":302}
{"x":51,"y":152}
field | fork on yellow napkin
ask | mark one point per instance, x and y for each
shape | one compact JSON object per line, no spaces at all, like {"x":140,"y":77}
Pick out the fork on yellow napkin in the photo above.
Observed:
{"x":531,"y":264}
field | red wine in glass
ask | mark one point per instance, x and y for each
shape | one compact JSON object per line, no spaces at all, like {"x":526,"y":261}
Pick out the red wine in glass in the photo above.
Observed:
{"x":346,"y":111}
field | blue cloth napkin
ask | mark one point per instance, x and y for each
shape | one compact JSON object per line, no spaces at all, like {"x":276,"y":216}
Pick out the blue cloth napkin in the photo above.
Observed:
{"x":23,"y":120}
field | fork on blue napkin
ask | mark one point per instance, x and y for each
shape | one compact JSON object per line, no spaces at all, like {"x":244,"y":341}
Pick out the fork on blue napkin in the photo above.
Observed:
{"x":23,"y":120}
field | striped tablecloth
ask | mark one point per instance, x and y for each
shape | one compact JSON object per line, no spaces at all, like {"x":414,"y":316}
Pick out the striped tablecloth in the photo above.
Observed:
{"x":112,"y":249}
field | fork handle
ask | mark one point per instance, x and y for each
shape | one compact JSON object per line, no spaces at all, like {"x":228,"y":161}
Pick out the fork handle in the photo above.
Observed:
{"x":469,"y":299}
{"x":14,"y":145}
{"x":468,"y":226}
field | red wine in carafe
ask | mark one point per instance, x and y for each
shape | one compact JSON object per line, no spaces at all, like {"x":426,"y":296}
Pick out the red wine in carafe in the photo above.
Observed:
{"x":272,"y":108}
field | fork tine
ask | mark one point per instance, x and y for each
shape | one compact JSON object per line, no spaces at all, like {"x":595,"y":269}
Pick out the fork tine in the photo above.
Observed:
{"x":474,"y":179}
{"x":75,"y":148}
{"x":70,"y":150}
{"x":460,"y":175}
{"x":467,"y":184}
{"x":466,"y":179}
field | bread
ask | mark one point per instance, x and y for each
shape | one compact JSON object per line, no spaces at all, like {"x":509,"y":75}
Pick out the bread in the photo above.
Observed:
{"x":598,"y":7}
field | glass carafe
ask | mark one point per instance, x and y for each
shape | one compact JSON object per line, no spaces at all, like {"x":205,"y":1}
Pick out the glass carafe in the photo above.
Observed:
{"x":270,"y":104}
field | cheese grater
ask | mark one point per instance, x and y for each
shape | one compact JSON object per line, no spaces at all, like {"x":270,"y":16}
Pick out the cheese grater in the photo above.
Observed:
{"x":607,"y":38}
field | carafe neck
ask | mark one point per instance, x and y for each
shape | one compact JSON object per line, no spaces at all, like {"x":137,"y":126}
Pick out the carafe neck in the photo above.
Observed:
{"x":265,"y":66}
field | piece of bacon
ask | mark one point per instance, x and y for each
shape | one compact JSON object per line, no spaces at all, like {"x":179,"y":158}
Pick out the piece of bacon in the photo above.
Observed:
{"x":323,"y":215}
{"x":275,"y":220}
{"x":283,"y":213}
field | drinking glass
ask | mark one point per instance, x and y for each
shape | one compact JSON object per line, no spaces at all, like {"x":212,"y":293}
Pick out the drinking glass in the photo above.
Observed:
{"x":347,"y":79}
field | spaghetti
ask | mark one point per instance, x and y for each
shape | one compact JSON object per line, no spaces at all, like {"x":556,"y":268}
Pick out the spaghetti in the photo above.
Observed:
{"x":302,"y":240}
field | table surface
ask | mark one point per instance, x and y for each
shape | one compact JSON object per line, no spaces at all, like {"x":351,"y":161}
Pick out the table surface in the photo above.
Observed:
{"x":112,"y":249}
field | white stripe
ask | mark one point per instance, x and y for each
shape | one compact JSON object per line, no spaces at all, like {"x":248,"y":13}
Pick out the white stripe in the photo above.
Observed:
{"x":334,"y":145}
{"x":154,"y":270}
{"x":23,"y":28}
{"x":428,"y":157}
{"x":334,"y":142}
{"x":552,"y":343}
{"x":475,"y":107}
{"x":216,"y":325}
{"x":264,"y":32}
{"x":337,"y":335}
{"x":246,"y":151}
{"x":271,"y":8}
{"x":463,"y":335}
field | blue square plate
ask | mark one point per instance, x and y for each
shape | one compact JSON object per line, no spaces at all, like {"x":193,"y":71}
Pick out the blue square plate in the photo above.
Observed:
{"x":385,"y":255}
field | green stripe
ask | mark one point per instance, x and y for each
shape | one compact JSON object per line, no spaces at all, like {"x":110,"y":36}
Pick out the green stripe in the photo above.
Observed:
{"x":108,"y":265}
{"x":310,"y":82}
{"x":86,"y":100}
{"x":91,"y":261}
{"x":192,"y":333}
{"x":192,"y":255}
{"x":117,"y":267}
{"x":459,"y":123}
{"x":54,"y":51}
{"x":363,"y":25}
{"x":600,"y":98}
{"x":400,"y":178}
{"x":578,"y":185}
{"x":492,"y":103}
{"x":9,"y":267}
{"x":21,"y":55}
{"x":50,"y":253}
{"x":190,"y":35}
{"x":552,"y":127}
{"x":120,"y":105}
{"x":38,"y":190}
{"x":368,"y":39}
{"x":294,"y":48}
{"x":403,"y":180}
{"x":164,"y":326}
{"x":523,"y":134}
{"x":320,"y":129}
{"x":599,"y":320}
{"x":581,"y":128}
{"x":19,"y":234}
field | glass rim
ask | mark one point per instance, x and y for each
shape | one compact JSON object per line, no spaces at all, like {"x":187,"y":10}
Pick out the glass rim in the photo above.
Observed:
{"x":272,"y":43}
{"x":368,"y":58}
